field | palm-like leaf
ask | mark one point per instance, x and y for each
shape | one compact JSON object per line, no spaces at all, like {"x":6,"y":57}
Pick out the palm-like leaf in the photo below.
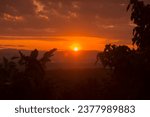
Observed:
{"x":47,"y":55}
{"x":34,"y":54}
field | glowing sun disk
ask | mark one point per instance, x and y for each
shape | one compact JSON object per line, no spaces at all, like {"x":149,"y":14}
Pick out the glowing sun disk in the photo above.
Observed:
{"x":76,"y":49}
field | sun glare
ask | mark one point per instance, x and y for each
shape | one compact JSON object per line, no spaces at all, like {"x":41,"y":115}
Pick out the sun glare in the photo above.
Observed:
{"x":76,"y":49}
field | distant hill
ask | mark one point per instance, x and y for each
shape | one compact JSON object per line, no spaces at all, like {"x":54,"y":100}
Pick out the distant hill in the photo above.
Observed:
{"x":61,"y":59}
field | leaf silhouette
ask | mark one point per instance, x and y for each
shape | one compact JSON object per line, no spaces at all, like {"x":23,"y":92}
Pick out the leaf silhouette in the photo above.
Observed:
{"x":14,"y":57}
{"x":46,"y":56}
{"x":34,"y":54}
{"x":5,"y":60}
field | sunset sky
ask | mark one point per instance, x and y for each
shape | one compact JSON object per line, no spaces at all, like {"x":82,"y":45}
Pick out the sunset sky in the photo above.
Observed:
{"x":64,"y":24}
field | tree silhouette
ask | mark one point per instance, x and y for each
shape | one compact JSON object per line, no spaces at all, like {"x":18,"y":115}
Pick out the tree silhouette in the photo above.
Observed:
{"x":115,"y":57}
{"x":141,"y":37}
{"x":131,"y":66}
{"x":141,"y":18}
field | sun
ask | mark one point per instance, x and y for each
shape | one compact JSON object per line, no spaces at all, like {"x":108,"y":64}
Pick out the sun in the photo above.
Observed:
{"x":76,"y":49}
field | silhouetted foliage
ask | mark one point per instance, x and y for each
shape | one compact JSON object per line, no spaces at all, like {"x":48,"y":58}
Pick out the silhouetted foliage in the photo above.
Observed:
{"x":129,"y":70}
{"x":112,"y":55}
{"x":46,"y":57}
{"x":141,"y":18}
{"x":8,"y":70}
{"x":30,"y":79}
{"x":131,"y":67}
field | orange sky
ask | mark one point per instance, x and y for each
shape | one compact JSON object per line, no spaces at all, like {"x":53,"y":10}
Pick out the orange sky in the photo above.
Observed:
{"x":60,"y":42}
{"x":64,"y":24}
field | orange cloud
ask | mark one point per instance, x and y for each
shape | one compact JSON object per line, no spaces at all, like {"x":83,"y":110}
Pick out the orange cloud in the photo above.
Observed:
{"x":8,"y":17}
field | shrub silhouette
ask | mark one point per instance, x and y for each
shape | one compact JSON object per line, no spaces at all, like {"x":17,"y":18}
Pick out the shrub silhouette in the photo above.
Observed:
{"x":28,"y":80}
{"x":114,"y":56}
{"x":8,"y":70}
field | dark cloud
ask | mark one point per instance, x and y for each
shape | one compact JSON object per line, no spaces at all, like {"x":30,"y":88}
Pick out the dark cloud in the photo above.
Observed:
{"x":17,"y":7}
{"x":104,"y":18}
